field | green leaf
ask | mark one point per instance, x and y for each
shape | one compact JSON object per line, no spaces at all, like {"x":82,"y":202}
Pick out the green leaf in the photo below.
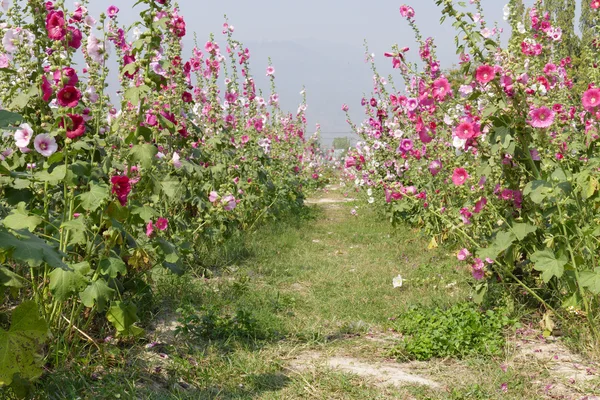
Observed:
{"x":146,"y":213}
{"x":113,"y":267}
{"x":20,"y":101}
{"x":64,"y":283}
{"x":83,"y":267}
{"x":170,"y":187}
{"x":135,"y":93}
{"x":53,"y":178}
{"x":76,"y":229}
{"x":97,"y":293}
{"x":90,"y":201}
{"x":8,"y":118}
{"x":20,"y":345}
{"x":26,"y":247}
{"x":590,"y":280}
{"x":123,"y":317}
{"x":502,"y":242}
{"x":144,"y":154}
{"x":537,"y":190}
{"x":19,"y":218}
{"x":590,"y":188}
{"x":10,"y":279}
{"x":546,"y":262}
{"x":169,"y":250}
{"x":522,"y":230}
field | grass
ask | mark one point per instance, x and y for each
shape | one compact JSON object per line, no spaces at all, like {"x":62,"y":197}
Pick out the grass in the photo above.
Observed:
{"x":321,"y":282}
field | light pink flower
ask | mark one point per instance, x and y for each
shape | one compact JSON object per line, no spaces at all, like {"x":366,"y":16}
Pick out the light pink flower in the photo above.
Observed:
{"x":45,"y":144}
{"x":23,"y":135}
{"x":229,"y":202}
{"x":463,"y":254}
{"x":176,"y":160}
{"x":213,"y":196}
{"x":112,"y":11}
{"x":465,"y":130}
{"x":149,"y":229}
{"x":270,"y":70}
{"x":4,"y":61}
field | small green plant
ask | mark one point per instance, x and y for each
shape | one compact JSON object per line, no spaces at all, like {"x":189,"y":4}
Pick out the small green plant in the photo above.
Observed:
{"x":211,"y":325}
{"x":457,"y":331}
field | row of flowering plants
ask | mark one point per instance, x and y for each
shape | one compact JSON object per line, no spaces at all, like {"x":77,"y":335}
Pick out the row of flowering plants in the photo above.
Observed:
{"x":501,"y":156}
{"x":101,"y":190}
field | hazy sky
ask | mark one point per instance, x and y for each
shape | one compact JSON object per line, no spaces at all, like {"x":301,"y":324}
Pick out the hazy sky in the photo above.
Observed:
{"x":317,"y":43}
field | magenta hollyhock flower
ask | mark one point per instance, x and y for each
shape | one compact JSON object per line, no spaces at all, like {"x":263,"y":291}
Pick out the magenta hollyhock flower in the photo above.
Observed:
{"x":595,"y":4}
{"x":74,"y":38}
{"x":485,"y":74}
{"x":465,"y":215}
{"x":45,"y":144}
{"x":350,"y":162}
{"x":55,"y":25}
{"x":186,"y":97}
{"x":178,"y":26}
{"x":441,"y":89}
{"x":435,"y":167}
{"x":149,"y":229}
{"x":465,"y":130}
{"x":245,"y":139}
{"x":67,"y":72}
{"x":345,"y":107}
{"x":541,"y":117}
{"x":112,"y":11}
{"x":162,"y":224}
{"x":46,"y":89}
{"x":68,"y":96}
{"x":213,"y":196}
{"x":407,"y":11}
{"x":121,"y":187}
{"x":406,"y":145}
{"x":75,"y":127}
{"x":463,"y":254}
{"x":460,"y":176}
{"x":480,"y":205}
{"x":591,"y":98}
{"x":129,"y":59}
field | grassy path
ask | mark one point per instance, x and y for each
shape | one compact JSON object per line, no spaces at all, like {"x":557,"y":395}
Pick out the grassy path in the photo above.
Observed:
{"x":308,"y":290}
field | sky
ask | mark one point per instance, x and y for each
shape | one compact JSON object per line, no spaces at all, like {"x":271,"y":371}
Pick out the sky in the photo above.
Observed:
{"x":317,"y":44}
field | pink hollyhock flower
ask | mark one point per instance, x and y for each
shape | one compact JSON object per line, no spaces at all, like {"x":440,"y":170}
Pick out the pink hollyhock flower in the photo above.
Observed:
{"x":595,"y":5}
{"x":178,"y":26}
{"x":75,"y":127}
{"x":23,"y":135}
{"x":478,"y":269}
{"x":4,"y":61}
{"x":245,"y":139}
{"x":350,"y":162}
{"x":345,"y":107}
{"x":186,"y":97}
{"x":463,"y":254}
{"x":68,"y":96}
{"x":176,"y":160}
{"x":129,"y":59}
{"x":465,"y":215}
{"x":46,"y":89}
{"x":162,"y":224}
{"x":121,"y":187}
{"x":149,"y":229}
{"x":465,"y":130}
{"x":441,"y":89}
{"x":406,"y":145}
{"x":69,"y":73}
{"x":112,"y":11}
{"x":213,"y":196}
{"x":270,"y":70}
{"x":407,"y":11}
{"x":485,"y":74}
{"x":45,"y":144}
{"x":435,"y":167}
{"x":75,"y":38}
{"x":55,"y":25}
{"x":95,"y":48}
{"x":480,"y":205}
{"x":591,"y":98}
{"x":541,"y":117}
{"x":230,"y":202}
{"x":460,"y":176}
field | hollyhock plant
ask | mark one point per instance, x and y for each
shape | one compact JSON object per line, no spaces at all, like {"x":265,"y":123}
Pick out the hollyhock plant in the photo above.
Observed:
{"x":75,"y":126}
{"x":541,"y":117}
{"x":121,"y":187}
{"x":45,"y":144}
{"x":68,"y":96}
{"x":459,"y":176}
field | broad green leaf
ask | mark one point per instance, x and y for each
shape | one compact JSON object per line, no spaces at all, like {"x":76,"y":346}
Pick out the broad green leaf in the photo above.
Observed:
{"x":522,"y":230}
{"x":502,"y":242}
{"x":83,"y":267}
{"x":26,"y":247}
{"x":10,"y":279}
{"x":144,"y":154}
{"x":90,"y":201}
{"x":20,"y":345}
{"x":64,"y":283}
{"x":20,"y":101}
{"x":590,"y":188}
{"x":123,"y":317}
{"x":170,"y":187}
{"x":113,"y":267}
{"x":169,"y":250}
{"x":19,"y":218}
{"x":135,"y":93}
{"x":97,"y":293}
{"x":146,"y":213}
{"x":546,"y":262}
{"x":537,"y":190}
{"x":591,"y":280}
{"x":8,"y":118}
{"x":53,"y":178}
{"x":76,"y":229}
